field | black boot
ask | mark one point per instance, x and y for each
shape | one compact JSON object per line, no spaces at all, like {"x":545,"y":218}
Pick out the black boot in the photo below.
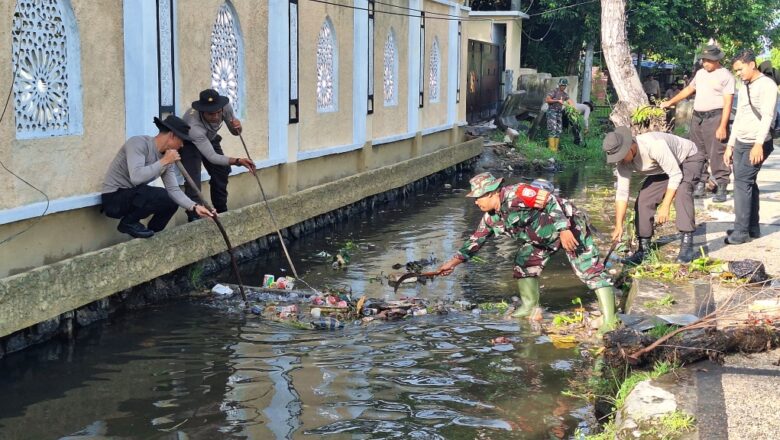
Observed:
{"x":134,"y":229}
{"x":753,"y":231}
{"x":720,"y":194}
{"x":686,"y":248}
{"x":641,"y":253}
{"x":700,"y":190}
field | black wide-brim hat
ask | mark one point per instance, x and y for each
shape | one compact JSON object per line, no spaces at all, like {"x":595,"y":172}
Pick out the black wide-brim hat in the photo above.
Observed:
{"x":176,"y":125}
{"x":210,"y":101}
{"x":617,"y":143}
{"x":712,"y":53}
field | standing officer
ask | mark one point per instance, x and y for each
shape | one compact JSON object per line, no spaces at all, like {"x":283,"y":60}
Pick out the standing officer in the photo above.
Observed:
{"x":205,"y":119}
{"x":542,"y":223}
{"x":714,"y":88}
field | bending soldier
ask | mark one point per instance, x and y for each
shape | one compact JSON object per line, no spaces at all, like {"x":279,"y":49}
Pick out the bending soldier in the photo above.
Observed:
{"x":542,"y":223}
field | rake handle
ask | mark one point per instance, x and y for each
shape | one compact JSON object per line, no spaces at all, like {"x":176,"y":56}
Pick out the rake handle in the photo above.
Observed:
{"x":221,"y":228}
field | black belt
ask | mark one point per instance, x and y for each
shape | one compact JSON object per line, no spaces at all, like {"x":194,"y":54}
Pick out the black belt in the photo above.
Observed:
{"x":708,"y":114}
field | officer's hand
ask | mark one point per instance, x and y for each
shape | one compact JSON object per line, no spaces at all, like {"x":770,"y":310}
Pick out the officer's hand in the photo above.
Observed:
{"x":541,"y":198}
{"x":720,"y":133}
{"x":757,"y":154}
{"x":662,"y":216}
{"x":617,"y":234}
{"x":170,"y":156}
{"x":236,"y":125}
{"x":204,"y":212}
{"x":665,"y":104}
{"x":568,"y":241}
{"x":246,"y":163}
{"x":449,"y":266}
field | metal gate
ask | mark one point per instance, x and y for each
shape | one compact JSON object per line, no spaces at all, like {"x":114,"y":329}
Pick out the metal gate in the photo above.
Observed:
{"x":482,"y":95}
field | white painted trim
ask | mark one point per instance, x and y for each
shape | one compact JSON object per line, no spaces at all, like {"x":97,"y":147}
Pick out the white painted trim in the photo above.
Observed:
{"x":33,"y":210}
{"x":178,"y":109}
{"x":141,"y":88}
{"x":411,"y":134}
{"x":413,"y":72}
{"x":452,"y":67}
{"x":498,"y":14}
{"x":59,"y":205}
{"x":444,"y":2}
{"x":393,"y":138}
{"x":278,"y":65}
{"x":436,"y":129}
{"x":360,"y":72}
{"x":303,"y":155}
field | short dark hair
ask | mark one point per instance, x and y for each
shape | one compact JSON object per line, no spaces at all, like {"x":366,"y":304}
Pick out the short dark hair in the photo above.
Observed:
{"x":745,"y":56}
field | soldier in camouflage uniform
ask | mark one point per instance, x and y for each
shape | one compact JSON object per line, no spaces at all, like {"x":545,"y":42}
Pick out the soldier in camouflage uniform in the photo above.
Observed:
{"x":555,"y":101}
{"x":542,"y":223}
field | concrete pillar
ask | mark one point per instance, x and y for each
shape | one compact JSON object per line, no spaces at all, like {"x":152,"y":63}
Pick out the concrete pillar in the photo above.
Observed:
{"x":288,"y":178}
{"x":417,"y":144}
{"x":365,"y":157}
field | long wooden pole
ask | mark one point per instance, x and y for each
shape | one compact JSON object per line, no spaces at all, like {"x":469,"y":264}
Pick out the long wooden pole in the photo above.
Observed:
{"x":194,"y":187}
{"x":273,"y":219}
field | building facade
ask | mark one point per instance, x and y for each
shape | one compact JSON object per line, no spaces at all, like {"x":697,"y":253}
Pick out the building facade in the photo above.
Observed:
{"x":323,"y":91}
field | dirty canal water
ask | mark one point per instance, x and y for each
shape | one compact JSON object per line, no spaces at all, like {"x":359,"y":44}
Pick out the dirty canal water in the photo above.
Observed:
{"x":201,"y":370}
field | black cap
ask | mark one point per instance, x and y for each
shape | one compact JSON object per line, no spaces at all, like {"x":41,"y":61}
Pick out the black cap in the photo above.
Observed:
{"x":176,"y":125}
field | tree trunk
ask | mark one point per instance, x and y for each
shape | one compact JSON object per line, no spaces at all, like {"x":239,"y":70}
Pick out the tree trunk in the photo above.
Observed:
{"x":587,"y":74}
{"x":614,"y":43}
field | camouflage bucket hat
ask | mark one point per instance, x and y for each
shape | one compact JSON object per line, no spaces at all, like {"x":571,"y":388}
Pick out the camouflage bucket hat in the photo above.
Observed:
{"x":483,"y":183}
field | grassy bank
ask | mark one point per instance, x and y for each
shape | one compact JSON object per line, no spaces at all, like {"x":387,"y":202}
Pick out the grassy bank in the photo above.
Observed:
{"x":613,"y":387}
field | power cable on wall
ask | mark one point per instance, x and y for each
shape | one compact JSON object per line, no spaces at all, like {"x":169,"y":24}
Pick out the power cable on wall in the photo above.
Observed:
{"x":46,"y":209}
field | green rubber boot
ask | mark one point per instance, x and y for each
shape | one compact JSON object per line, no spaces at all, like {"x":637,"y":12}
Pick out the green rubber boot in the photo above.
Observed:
{"x":529,"y":296}
{"x":606,"y":297}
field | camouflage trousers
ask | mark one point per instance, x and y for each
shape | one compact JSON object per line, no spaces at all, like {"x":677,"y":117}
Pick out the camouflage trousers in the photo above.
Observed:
{"x":533,"y":255}
{"x":554,"y":123}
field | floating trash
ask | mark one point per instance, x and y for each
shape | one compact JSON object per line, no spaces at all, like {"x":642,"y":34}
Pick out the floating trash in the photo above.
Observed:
{"x":327,"y":323}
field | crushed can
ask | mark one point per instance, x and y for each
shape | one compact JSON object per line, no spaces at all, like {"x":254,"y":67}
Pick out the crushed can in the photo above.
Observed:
{"x":268,"y":280}
{"x":370,"y":311}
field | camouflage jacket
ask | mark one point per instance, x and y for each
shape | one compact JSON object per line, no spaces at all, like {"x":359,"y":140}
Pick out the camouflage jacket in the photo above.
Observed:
{"x":540,"y":227}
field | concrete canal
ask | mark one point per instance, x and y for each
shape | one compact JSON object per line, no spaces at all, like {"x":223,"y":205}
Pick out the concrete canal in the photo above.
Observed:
{"x":200,"y":370}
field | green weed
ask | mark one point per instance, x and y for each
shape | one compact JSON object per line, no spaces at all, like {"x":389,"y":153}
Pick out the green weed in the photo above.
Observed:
{"x":660,"y":330}
{"x":499,"y":307}
{"x":195,"y":276}
{"x":666,"y":301}
{"x":567,"y":318}
{"x":678,"y":422}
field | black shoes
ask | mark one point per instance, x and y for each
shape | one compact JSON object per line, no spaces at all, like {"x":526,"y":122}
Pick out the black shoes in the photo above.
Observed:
{"x":699,"y":191}
{"x":720,"y":194}
{"x":637,"y":257}
{"x":686,"y":248}
{"x":753,"y":232}
{"x":135,"y":229}
{"x":736,"y":237}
